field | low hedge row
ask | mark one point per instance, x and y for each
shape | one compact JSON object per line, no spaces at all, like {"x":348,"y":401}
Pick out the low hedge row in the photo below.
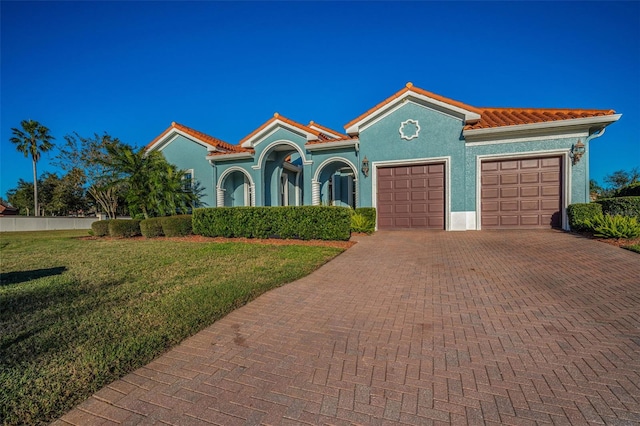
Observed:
{"x":151,"y":227}
{"x":124,"y":228}
{"x":303,"y":222}
{"x":581,"y":213}
{"x":100,"y":228}
{"x":624,"y":206}
{"x":169,"y":226}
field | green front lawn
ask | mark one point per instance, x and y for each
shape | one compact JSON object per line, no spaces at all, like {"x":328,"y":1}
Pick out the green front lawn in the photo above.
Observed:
{"x":77,"y":314}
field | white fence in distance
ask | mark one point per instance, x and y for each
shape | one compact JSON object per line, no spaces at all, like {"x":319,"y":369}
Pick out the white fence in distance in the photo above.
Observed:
{"x":32,"y":223}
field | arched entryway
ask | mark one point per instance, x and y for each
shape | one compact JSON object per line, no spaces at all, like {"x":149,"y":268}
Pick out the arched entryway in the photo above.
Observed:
{"x":336,"y":183}
{"x":282,"y":165}
{"x":235,"y":188}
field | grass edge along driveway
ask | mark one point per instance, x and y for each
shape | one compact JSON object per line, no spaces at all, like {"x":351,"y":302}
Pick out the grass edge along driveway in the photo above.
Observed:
{"x":77,"y":314}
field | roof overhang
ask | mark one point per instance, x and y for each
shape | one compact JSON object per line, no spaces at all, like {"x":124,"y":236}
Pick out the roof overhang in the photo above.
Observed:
{"x":466,"y":115}
{"x":323,"y":146}
{"x":271,"y":127}
{"x":230,"y":156}
{"x":170,"y":135}
{"x":587,"y":125}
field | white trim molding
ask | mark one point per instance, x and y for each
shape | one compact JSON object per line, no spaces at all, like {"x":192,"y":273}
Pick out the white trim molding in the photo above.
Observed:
{"x":272,"y":128}
{"x":230,"y":156}
{"x":420,"y":99}
{"x":273,"y":144}
{"x":409,"y":137}
{"x":220,"y":186}
{"x":566,"y":177}
{"x":411,"y":162}
{"x":333,"y":144}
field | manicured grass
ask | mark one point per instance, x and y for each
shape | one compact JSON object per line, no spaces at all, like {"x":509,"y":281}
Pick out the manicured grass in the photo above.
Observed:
{"x":635,"y":247}
{"x":77,"y":314}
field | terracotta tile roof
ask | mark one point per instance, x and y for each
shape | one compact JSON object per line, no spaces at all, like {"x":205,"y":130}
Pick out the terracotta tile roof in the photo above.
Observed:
{"x":411,"y":88}
{"x":214,"y":142}
{"x":341,"y":139}
{"x":500,"y":117}
{"x":275,"y":117}
{"x":495,"y":117}
{"x":326,"y":129}
{"x":241,"y":150}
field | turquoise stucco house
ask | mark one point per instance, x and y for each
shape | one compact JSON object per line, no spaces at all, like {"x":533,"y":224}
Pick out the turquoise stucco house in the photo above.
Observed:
{"x":423,"y":160}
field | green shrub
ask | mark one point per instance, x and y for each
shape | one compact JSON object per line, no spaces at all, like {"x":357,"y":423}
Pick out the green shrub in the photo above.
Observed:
{"x":580,"y":212}
{"x":124,"y":228}
{"x":370,"y":214}
{"x":361,"y":223}
{"x":608,"y":226}
{"x":631,"y":190}
{"x":303,"y":222}
{"x":624,"y":206}
{"x":100,"y":228}
{"x":151,"y":227}
{"x":176,"y":226}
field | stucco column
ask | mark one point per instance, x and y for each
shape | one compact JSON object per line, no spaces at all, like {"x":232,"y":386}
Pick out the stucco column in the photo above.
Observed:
{"x":219,"y":197}
{"x":253,"y":194}
{"x":315,"y":193}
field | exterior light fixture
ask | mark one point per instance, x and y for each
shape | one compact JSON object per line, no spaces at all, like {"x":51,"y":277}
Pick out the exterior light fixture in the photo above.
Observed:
{"x":365,"y":166}
{"x":577,"y":151}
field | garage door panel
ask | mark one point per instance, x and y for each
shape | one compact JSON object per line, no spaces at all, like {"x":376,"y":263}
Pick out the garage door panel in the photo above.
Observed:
{"x":530,"y":220}
{"x":550,"y":162}
{"x":550,"y":191}
{"x":509,"y":192}
{"x":509,"y":220}
{"x":508,"y":165}
{"x":529,"y":191}
{"x":521,"y":193}
{"x":529,"y":205}
{"x":530,"y":164}
{"x":411,"y":196}
{"x":509,"y":179}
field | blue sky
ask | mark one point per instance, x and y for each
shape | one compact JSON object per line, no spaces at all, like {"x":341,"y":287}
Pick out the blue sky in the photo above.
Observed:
{"x":131,"y":68}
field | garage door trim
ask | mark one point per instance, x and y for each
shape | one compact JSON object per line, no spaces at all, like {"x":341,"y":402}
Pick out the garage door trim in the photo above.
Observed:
{"x":566,"y":177}
{"x":414,"y":162}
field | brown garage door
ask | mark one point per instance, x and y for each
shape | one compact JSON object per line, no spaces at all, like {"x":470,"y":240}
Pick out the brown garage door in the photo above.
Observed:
{"x":411,"y":197}
{"x":524,"y":193}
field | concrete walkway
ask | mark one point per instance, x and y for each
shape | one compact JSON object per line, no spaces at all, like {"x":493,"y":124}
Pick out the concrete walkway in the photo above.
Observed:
{"x":419,"y":328}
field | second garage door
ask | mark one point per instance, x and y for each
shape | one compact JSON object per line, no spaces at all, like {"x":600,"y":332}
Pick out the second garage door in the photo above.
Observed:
{"x":411,"y":197}
{"x":525,"y":193}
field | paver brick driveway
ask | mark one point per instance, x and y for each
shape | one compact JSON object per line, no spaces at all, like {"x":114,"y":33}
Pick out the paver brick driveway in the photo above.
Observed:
{"x":417,"y":328}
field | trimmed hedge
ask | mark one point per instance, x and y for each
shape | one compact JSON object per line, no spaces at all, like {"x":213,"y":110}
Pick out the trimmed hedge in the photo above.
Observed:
{"x":631,"y":190}
{"x":580,"y":213}
{"x":176,"y":226}
{"x":624,"y":206}
{"x":100,"y":228}
{"x":151,"y":227}
{"x":303,"y":222}
{"x":363,"y":219}
{"x":124,"y":228}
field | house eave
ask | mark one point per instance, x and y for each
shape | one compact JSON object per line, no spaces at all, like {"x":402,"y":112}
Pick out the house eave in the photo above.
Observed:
{"x":230,"y":156}
{"x":465,"y":114}
{"x":587,"y":124}
{"x":332,"y":145}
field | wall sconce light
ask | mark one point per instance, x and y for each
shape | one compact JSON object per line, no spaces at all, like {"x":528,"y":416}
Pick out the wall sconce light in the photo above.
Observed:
{"x":577,"y":151}
{"x":365,"y":166}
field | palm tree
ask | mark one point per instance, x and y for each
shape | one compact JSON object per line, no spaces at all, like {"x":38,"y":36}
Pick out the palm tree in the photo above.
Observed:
{"x":33,"y":139}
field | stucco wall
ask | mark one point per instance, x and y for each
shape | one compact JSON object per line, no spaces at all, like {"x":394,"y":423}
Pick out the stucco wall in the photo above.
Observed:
{"x":186,"y":154}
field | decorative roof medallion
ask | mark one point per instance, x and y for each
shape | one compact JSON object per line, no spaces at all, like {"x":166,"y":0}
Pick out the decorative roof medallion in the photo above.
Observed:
{"x":409,"y":129}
